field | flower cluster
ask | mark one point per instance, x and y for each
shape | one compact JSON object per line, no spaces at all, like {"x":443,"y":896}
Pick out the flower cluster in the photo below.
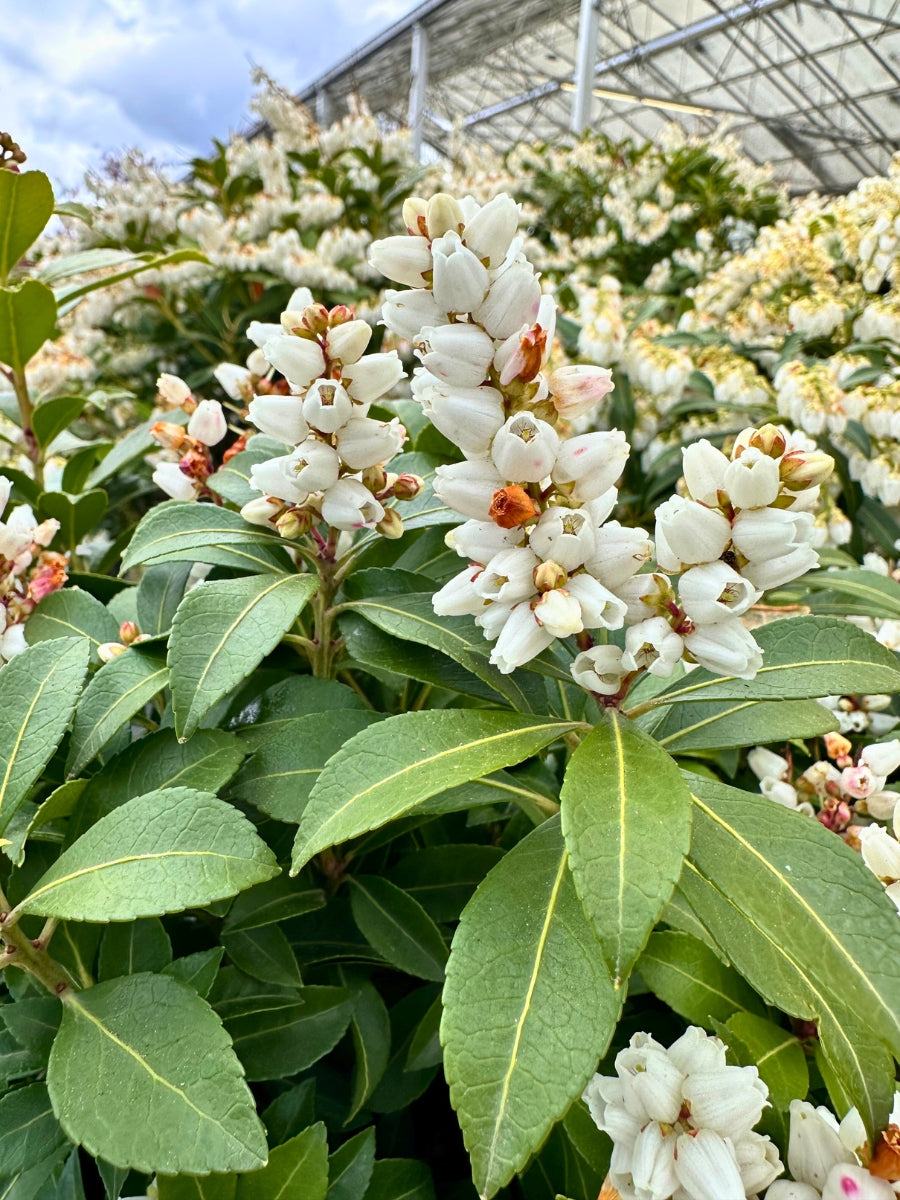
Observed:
{"x":184,"y":478}
{"x":543,"y":560}
{"x":28,"y":571}
{"x":335,"y":471}
{"x":681,"y":1122}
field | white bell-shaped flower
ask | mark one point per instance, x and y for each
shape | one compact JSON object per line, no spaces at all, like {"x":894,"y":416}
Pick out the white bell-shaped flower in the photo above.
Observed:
{"x":492,"y":619}
{"x":853,"y":1182}
{"x":771,"y":533}
{"x":300,"y":360}
{"x":280,"y":417}
{"x":714,"y":592}
{"x":458,"y":596}
{"x":788,"y":1189}
{"x":346,"y":343}
{"x":364,"y":442}
{"x":757,"y":1161}
{"x":460,"y":278}
{"x":521,"y":639}
{"x":577,"y":390}
{"x":619,"y":553}
{"x":349,"y":504}
{"x":600,"y":608}
{"x":372,"y":376}
{"x":469,"y":417}
{"x":489,"y":232}
{"x":260,"y":332}
{"x":601,"y":670}
{"x":167,"y":476}
{"x":654,"y":646}
{"x":276,"y":477}
{"x":12,"y":642}
{"x":774,"y":572}
{"x":261,"y":510}
{"x":458,"y":354}
{"x":479,"y":541}
{"x":881,"y":852}
{"x":729,"y":1100}
{"x":509,"y":576}
{"x":327,"y":406}
{"x":704,"y":467}
{"x":468,"y":487}
{"x":592,"y":461}
{"x":727,"y":648}
{"x":564,"y":535}
{"x":814,"y":1144}
{"x":512,"y":301}
{"x":706,"y":1166}
{"x":525,"y":449}
{"x":235,"y":381}
{"x":653,"y":1161}
{"x":315,"y":465}
{"x":752,"y":480}
{"x":765,"y":764}
{"x":403,"y":258}
{"x":883,"y":758}
{"x":688,"y":532}
{"x":405,"y":313}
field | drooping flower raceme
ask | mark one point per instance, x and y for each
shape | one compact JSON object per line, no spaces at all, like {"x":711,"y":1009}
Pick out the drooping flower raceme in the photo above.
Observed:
{"x":28,"y":571}
{"x":184,"y":477}
{"x":681,"y":1122}
{"x":544,"y":560}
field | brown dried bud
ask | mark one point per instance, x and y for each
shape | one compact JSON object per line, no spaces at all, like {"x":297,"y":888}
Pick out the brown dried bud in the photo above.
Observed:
{"x":235,"y":448}
{"x":391,"y":524}
{"x":169,"y":435}
{"x":511,"y":507}
{"x":885,"y":1162}
{"x":196,"y":465}
{"x":548,"y":576}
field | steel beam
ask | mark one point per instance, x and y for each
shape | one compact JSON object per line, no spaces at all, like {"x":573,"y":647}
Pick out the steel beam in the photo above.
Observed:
{"x":585,"y":58}
{"x":418,"y":83}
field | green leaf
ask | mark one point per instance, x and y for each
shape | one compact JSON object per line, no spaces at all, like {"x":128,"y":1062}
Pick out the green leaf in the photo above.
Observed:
{"x":685,"y":974}
{"x":80,"y":262}
{"x":398,"y":927}
{"x":281,"y":774}
{"x":385,"y":771}
{"x":176,"y":531}
{"x":400,"y":1179}
{"x":291,"y":1112}
{"x":802,"y":657}
{"x":297,"y":1169}
{"x":158,"y":595}
{"x":148,"y":1044}
{"x":222,"y":631}
{"x":268,"y":903}
{"x":40,"y":687}
{"x":370,"y":1026}
{"x":77,"y":515}
{"x":52,"y":416}
{"x":196,"y":1187}
{"x":723,"y":724}
{"x":27,"y":320}
{"x":278,"y":1035}
{"x":263,"y":953}
{"x":868,"y":593}
{"x":232,"y":480}
{"x":197,"y":970}
{"x":71,"y":612}
{"x":442,"y":878}
{"x":26,"y":205}
{"x":425,"y":1047}
{"x":28,"y":1129}
{"x":69,"y":296}
{"x":626,"y":818}
{"x":350,"y":1167}
{"x":129,"y":949}
{"x":119,"y":689}
{"x":774,"y":1051}
{"x":272,"y":714}
{"x":528,"y":1007}
{"x":33,"y":1022}
{"x":159,"y":853}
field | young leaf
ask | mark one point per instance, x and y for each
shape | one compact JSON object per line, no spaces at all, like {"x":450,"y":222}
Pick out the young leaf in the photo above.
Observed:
{"x":298,"y":1169}
{"x":26,"y":205}
{"x":159,"y":853}
{"x":177,"y":531}
{"x":529,"y":1007}
{"x":350,"y":1167}
{"x":72,"y":613}
{"x":148,"y":1044}
{"x":281,"y":774}
{"x":133,"y":947}
{"x":28,"y":1129}
{"x":119,"y":689}
{"x":221,"y":631}
{"x":276,"y":1035}
{"x":159,"y":594}
{"x":387,"y":770}
{"x":726,"y":723}
{"x":398,"y":927}
{"x":687,"y":976}
{"x":264,"y":954}
{"x":626,"y":818}
{"x":27,"y":320}
{"x":40,"y":687}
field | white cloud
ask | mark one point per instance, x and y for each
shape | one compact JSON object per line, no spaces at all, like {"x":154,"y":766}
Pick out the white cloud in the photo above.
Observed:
{"x":87,"y":77}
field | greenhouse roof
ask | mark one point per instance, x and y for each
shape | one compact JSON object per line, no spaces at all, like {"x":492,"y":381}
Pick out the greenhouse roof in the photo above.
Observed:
{"x":812,"y":86}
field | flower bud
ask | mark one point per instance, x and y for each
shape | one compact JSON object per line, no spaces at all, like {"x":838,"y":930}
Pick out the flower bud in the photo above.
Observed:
{"x":170,"y":478}
{"x":768,"y":439}
{"x":208,"y":424}
{"x":752,"y":481}
{"x":525,"y":449}
{"x":458,"y":354}
{"x":460,"y":279}
{"x":293,"y":523}
{"x":882,"y":757}
{"x":491,"y":230}
{"x":576,"y":390}
{"x":548,"y":576}
{"x":407,"y":486}
{"x":837,"y":746}
{"x":805,"y":468}
{"x":168,"y":435}
{"x":261,"y":510}
{"x":107,"y":651}
{"x":172,"y":391}
{"x":414,"y":213}
{"x":443,"y":215}
{"x":375,"y":479}
{"x":559,"y":613}
{"x":128,"y":632}
{"x":391,"y":524}
{"x":404,"y":259}
{"x":347,"y":341}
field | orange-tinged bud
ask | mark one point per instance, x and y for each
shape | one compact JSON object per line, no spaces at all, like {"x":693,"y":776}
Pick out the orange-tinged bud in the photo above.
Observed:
{"x":768,"y":439}
{"x":512,"y":506}
{"x":885,"y":1162}
{"x":548,"y":576}
{"x":340,"y":315}
{"x":169,"y":435}
{"x":315,"y":318}
{"x":837,"y":746}
{"x":235,"y":448}
{"x":375,"y":479}
{"x":801,"y":469}
{"x":128,"y":632}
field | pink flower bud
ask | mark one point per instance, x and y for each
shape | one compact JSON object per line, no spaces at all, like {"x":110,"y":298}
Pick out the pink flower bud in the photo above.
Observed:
{"x":208,"y":424}
{"x":577,"y":390}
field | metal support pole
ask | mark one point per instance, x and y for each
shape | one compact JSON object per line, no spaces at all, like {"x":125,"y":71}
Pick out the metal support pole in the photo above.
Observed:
{"x":323,"y":108}
{"x":418,"y":69}
{"x":583,"y":101}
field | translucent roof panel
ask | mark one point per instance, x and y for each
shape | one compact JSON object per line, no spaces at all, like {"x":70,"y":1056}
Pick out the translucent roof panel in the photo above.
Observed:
{"x":811,"y":85}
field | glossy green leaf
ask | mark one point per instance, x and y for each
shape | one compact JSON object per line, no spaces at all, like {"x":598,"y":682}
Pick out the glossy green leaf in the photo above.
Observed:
{"x":33,"y":1022}
{"x":803,"y":657}
{"x":40,"y":688}
{"x":350,"y":1167}
{"x":28,"y":1129}
{"x":442,"y":878}
{"x":26,"y":205}
{"x":177,"y":531}
{"x":232,"y":480}
{"x":148,"y":1044}
{"x":774,"y":1051}
{"x":277,"y":900}
{"x":52,"y":416}
{"x":398,"y":927}
{"x":626,"y":818}
{"x":27,"y":320}
{"x":197,"y":970}
{"x":866,"y":592}
{"x":263,"y":953}
{"x":158,"y":595}
{"x":132,"y":947}
{"x":688,"y":976}
{"x":276,"y":1035}
{"x":71,"y":612}
{"x":119,"y":689}
{"x":272,"y":713}
{"x":163,"y":852}
{"x":297,"y":1169}
{"x":370,"y":1026}
{"x":196,"y":1187}
{"x":425,"y":1047}
{"x":528,"y":1007}
{"x":725,"y":723}
{"x":222,"y":631}
{"x":400,"y":1179}
{"x":280,"y":776}
{"x":385,"y":771}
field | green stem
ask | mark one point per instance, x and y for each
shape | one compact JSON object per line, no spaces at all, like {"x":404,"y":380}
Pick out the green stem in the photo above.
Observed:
{"x":26,"y":417}
{"x":31,"y":955}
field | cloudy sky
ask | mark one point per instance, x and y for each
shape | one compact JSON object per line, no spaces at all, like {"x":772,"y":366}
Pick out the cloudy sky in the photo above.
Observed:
{"x":80,"y":78}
